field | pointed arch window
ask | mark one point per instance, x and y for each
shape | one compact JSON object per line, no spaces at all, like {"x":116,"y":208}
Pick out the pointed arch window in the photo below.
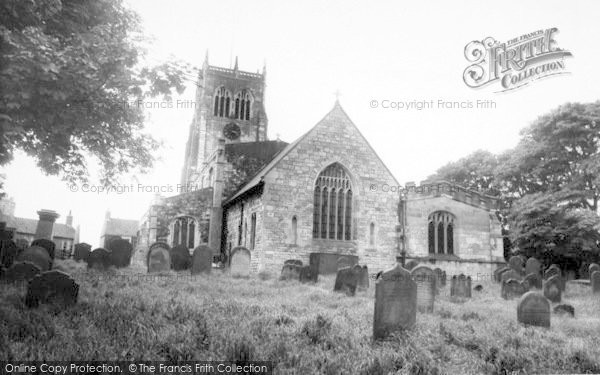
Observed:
{"x":222,"y":102}
{"x":242,"y":104}
{"x":441,"y":232}
{"x":332,"y":213}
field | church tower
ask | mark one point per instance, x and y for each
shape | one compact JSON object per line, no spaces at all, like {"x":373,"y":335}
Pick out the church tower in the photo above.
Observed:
{"x":229,"y":108}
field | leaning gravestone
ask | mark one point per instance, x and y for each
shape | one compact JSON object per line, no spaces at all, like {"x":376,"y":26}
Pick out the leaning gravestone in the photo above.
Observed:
{"x":36,"y":255}
{"x":552,"y":289}
{"x":51,"y":287}
{"x":99,"y":259}
{"x":307,"y":275}
{"x":21,"y":271}
{"x":82,"y":251}
{"x":120,"y":252}
{"x":512,"y":288}
{"x":533,"y":266}
{"x":498,"y":273}
{"x":395,"y":302}
{"x":426,"y":285}
{"x":551,"y":271}
{"x":346,"y":281}
{"x":240,"y":261}
{"x":363,"y":276}
{"x":534,"y":280}
{"x":202,"y":260}
{"x":595,"y":282}
{"x":8,"y":252}
{"x":593,"y":268}
{"x":159,"y":259}
{"x":297,"y":262}
{"x":180,"y":258}
{"x":411,"y":264}
{"x":460,"y":286}
{"x":534,"y":309}
{"x":290,"y":272}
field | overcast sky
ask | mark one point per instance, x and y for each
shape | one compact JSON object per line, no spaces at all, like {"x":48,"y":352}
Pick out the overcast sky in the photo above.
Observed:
{"x":368,"y":50}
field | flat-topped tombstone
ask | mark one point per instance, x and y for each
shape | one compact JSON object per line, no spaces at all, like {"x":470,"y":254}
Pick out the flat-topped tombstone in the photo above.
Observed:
{"x":460,"y":286}
{"x":511,"y":274}
{"x":395,"y":302}
{"x":120,"y":252}
{"x":593,"y":268}
{"x":159,"y":258}
{"x":346,"y":281}
{"x":297,"y":262}
{"x":180,"y":258}
{"x":240,"y":262}
{"x":426,"y":285}
{"x":21,"y":271}
{"x":552,"y":289}
{"x":52,"y":287}
{"x":512,"y":288}
{"x":441,"y":277}
{"x":595,"y":282}
{"x":46,"y":244}
{"x":202,"y":260}
{"x":516,"y":263}
{"x":533,"y":309}
{"x":82,"y":251}
{"x":534,"y":280}
{"x":307,"y":275}
{"x":290,"y":272}
{"x":36,"y":255}
{"x":99,"y":259}
{"x":533,"y":266}
{"x":8,"y":252}
{"x":411,"y":264}
{"x":363,"y":276}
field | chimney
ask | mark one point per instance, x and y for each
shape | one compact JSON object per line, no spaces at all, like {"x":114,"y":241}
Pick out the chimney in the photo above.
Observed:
{"x":45,"y":225}
{"x":69,"y":220}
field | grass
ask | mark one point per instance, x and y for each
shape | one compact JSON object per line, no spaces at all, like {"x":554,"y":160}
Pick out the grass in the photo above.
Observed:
{"x":302,"y":329}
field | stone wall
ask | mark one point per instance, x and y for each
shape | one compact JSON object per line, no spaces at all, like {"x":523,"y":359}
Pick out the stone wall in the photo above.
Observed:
{"x":233,"y":217}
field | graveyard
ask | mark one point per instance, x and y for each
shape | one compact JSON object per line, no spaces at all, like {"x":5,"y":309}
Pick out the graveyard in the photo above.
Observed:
{"x":128,"y":313}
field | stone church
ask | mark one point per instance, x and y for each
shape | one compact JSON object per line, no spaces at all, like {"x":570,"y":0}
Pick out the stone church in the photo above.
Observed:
{"x":323,"y":193}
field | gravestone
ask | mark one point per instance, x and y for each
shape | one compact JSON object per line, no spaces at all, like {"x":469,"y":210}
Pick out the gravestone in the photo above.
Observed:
{"x":307,"y":275}
{"x":297,"y":262}
{"x":564,"y":309}
{"x":426,"y":285}
{"x":411,"y":264}
{"x":513,"y":288}
{"x":595,"y":282}
{"x":159,"y":258}
{"x":552,"y":289}
{"x":22,"y":244}
{"x":99,"y":259}
{"x":21,"y":271}
{"x":533,"y":309}
{"x":395,"y":302}
{"x":460,"y":286}
{"x":162,"y":245}
{"x":8,"y":252}
{"x":441,"y":277}
{"x":120,"y":252}
{"x":36,"y":255}
{"x":180,"y":258}
{"x":46,"y":244}
{"x":533,"y":266}
{"x":511,"y":274}
{"x":344,"y":262}
{"x":551,"y":271}
{"x":534,"y":280}
{"x":593,"y":267}
{"x":327,"y":264}
{"x":290,"y":272}
{"x":346,"y":281}
{"x":516,"y":263}
{"x":240,"y":261}
{"x":82,"y":251}
{"x":202,"y":260}
{"x":498,"y":273}
{"x":51,"y":287}
{"x":363,"y":277}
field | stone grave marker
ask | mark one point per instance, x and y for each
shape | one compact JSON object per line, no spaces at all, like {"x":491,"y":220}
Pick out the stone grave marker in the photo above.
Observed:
{"x":36,"y":255}
{"x":460,"y":286}
{"x":516,"y":263}
{"x":346,"y":281}
{"x":395,"y":302}
{"x":426,"y":285}
{"x":564,"y":309}
{"x":533,"y":266}
{"x":411,"y":264}
{"x":307,"y":275}
{"x":202,"y":260}
{"x":593,"y":267}
{"x":240,"y":262}
{"x":363,"y":276}
{"x":344,"y":262}
{"x":290,"y":272}
{"x":297,"y":262}
{"x":552,"y":289}
{"x":159,"y":259}
{"x":595,"y":282}
{"x":180,"y":258}
{"x":120,"y":252}
{"x":551,"y":271}
{"x":99,"y":259}
{"x":46,"y":244}
{"x":8,"y":252}
{"x":511,"y":274}
{"x":51,"y":287}
{"x":498,"y":273}
{"x":21,"y":271}
{"x":513,"y":288}
{"x":534,"y":280}
{"x":82,"y":251}
{"x":533,"y":309}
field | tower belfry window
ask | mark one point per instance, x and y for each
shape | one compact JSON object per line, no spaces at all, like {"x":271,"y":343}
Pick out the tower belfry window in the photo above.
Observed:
{"x":222,"y":103}
{"x":242,"y":103}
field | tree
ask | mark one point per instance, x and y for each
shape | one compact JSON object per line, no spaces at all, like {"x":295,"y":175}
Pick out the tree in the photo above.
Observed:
{"x":72,"y":86}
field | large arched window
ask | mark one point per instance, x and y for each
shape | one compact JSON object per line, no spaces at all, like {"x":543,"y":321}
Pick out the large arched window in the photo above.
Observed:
{"x":222,"y":102}
{"x":332,"y":214}
{"x":183,"y":232}
{"x":242,"y":104}
{"x":440,"y":230}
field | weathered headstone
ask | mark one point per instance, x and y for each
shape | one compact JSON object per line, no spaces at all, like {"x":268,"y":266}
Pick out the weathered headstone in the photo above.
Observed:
{"x":534,"y":309}
{"x":52,"y":287}
{"x":426,"y":285}
{"x":346,"y":281}
{"x":327,"y":264}
{"x":99,"y":259}
{"x":363,"y":276}
{"x":460,"y":286}
{"x":46,"y":244}
{"x":533,"y":266}
{"x":21,"y":271}
{"x":551,"y":271}
{"x":595,"y":282}
{"x":202,"y":260}
{"x":240,"y":261}
{"x":180,"y":258}
{"x":163,"y":245}
{"x":159,"y":258}
{"x":552,"y":289}
{"x":411,"y":264}
{"x":307,"y":275}
{"x":564,"y":309}
{"x":511,"y":274}
{"x":516,"y":263}
{"x":297,"y":262}
{"x":36,"y":255}
{"x":593,"y":267}
{"x":534,"y":280}
{"x":82,"y":251}
{"x":512,"y":288}
{"x":120,"y":252}
{"x":441,"y":277}
{"x":498,"y":272}
{"x":395,"y":302}
{"x":8,"y":252}
{"x":290,"y":272}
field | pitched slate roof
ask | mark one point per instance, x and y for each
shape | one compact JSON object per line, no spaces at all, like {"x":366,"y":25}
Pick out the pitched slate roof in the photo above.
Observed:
{"x":28,"y":226}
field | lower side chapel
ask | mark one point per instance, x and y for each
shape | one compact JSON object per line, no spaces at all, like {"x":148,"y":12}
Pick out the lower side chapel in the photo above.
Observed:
{"x":326,"y":192}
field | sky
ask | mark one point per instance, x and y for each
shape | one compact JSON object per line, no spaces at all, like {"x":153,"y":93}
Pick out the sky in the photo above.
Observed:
{"x":371,"y":52}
